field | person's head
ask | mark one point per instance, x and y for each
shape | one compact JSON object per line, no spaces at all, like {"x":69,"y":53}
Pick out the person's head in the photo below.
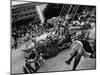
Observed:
{"x":49,"y":37}
{"x":67,"y":16}
{"x":62,"y":28}
{"x":26,"y":60}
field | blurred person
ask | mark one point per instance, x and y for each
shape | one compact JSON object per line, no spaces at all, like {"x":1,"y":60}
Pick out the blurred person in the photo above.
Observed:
{"x":80,"y":48}
{"x":30,"y":68}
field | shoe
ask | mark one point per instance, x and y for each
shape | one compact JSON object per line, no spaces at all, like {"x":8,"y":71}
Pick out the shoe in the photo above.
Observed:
{"x":67,"y":62}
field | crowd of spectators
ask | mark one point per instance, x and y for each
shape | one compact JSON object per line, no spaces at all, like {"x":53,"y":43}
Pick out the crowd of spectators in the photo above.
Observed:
{"x":86,"y":20}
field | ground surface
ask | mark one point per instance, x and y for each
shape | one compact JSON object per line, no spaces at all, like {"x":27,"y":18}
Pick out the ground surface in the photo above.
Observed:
{"x":56,"y":63}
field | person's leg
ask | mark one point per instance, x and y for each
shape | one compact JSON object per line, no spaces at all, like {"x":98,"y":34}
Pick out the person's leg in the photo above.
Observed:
{"x":32,"y":69}
{"x":44,"y":61}
{"x":36,"y":65}
{"x":25,"y":70}
{"x":76,"y":61}
{"x":29,"y":69}
{"x":70,"y":59}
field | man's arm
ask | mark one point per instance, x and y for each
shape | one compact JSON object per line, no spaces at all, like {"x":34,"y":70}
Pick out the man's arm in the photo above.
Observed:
{"x":65,"y":45}
{"x":28,"y":50}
